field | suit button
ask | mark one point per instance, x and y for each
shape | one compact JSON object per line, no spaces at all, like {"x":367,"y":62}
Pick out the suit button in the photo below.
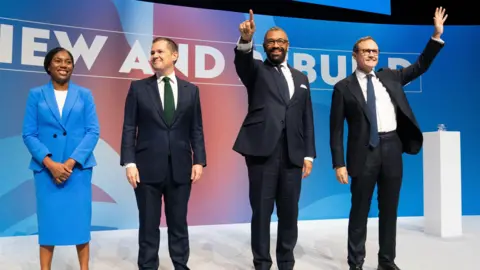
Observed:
{"x":64,"y":133}
{"x":283,"y":122}
{"x":54,"y":135}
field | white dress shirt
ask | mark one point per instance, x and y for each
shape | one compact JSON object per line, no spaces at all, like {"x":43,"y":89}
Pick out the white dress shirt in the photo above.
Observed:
{"x":173,"y":84}
{"x":246,"y":47}
{"x":386,"y":115}
{"x":161,"y":89}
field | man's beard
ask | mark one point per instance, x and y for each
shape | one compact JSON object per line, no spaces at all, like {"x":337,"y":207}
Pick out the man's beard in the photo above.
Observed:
{"x":276,"y":60}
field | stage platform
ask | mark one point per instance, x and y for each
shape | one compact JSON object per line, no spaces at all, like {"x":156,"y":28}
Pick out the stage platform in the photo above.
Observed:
{"x":321,"y":245}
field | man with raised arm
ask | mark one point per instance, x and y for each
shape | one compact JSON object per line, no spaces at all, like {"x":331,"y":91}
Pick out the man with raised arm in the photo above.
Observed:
{"x":277,"y":140}
{"x":381,"y":126}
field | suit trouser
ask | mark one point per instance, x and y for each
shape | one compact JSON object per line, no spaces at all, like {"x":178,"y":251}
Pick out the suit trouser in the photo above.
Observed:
{"x":274,"y":179}
{"x":149,"y":202}
{"x":384,"y":167}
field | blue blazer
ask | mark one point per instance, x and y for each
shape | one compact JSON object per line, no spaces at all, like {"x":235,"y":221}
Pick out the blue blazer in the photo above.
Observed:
{"x":74,"y":135}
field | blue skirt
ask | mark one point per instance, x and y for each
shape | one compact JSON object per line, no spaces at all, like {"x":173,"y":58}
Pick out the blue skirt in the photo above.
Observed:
{"x":64,"y":212}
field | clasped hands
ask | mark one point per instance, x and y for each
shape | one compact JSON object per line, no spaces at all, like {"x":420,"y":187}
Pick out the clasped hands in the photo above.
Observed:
{"x":60,"y":171}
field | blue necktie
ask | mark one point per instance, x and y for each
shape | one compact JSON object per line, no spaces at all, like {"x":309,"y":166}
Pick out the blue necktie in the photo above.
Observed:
{"x":373,"y":112}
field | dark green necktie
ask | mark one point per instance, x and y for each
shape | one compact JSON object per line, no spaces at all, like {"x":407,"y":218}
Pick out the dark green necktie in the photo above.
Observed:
{"x":168,"y":103}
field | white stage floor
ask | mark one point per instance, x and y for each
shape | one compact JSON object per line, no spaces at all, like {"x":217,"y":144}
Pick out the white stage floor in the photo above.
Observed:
{"x":321,"y":245}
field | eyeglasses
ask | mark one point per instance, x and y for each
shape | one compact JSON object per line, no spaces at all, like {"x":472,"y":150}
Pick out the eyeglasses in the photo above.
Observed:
{"x":368,"y":51}
{"x":280,"y":41}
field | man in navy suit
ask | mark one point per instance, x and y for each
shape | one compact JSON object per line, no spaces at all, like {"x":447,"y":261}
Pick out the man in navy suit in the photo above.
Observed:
{"x":163,"y":151}
{"x":277,"y":140}
{"x":381,"y":127}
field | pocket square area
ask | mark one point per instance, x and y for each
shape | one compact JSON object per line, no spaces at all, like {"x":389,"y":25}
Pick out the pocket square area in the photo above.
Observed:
{"x":303,"y":86}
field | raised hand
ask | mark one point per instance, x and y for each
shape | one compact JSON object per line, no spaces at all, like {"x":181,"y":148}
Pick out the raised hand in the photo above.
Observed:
{"x":247,"y":28}
{"x":438,"y":21}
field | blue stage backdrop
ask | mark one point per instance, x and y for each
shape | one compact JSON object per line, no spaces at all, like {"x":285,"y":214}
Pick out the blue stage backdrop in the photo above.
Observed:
{"x":111,"y":41}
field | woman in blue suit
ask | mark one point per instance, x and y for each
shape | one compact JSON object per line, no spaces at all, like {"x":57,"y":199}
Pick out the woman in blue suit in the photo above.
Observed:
{"x":61,"y":130}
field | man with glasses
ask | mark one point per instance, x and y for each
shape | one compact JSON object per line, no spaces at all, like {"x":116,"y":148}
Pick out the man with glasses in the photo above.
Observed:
{"x":381,"y":126}
{"x":276,"y":139}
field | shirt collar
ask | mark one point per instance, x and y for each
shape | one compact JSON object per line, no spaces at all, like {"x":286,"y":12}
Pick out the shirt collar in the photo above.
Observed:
{"x":173,"y":78}
{"x":284,"y":64}
{"x":362,"y":75}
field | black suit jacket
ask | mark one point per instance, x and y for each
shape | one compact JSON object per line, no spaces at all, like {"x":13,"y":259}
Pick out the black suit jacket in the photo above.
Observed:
{"x":269,"y":113}
{"x":148,"y":141}
{"x":349,"y":103}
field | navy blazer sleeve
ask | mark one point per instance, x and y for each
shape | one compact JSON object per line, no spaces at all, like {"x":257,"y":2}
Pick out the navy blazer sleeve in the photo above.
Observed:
{"x":337,"y":121}
{"x":423,"y":63}
{"x":129,"y":133}
{"x":197,"y":140}
{"x":308,"y":126}
{"x":246,"y":66}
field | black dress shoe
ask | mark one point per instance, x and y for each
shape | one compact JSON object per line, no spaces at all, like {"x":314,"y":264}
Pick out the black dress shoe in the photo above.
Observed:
{"x":388,"y":267}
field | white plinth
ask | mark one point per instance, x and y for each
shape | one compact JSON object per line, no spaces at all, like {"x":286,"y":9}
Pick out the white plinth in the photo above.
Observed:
{"x":442,"y":183}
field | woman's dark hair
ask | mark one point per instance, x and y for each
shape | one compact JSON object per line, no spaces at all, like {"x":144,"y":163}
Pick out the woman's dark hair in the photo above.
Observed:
{"x":51,"y":54}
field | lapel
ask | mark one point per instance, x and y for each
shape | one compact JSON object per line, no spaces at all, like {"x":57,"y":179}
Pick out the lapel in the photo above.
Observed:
{"x":356,"y":91}
{"x":388,"y":85}
{"x":276,"y":76}
{"x":157,"y":102}
{"x":154,"y":92}
{"x":296,"y":84}
{"x":396,"y":96}
{"x":181,"y":96}
{"x":49,"y":94}
{"x":72,"y":96}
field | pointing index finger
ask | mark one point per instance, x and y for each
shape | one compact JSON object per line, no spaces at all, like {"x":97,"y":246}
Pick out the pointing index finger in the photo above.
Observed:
{"x":251,"y":15}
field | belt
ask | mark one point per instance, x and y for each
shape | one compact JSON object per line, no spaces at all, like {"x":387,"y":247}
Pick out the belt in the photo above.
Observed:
{"x":387,"y":133}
